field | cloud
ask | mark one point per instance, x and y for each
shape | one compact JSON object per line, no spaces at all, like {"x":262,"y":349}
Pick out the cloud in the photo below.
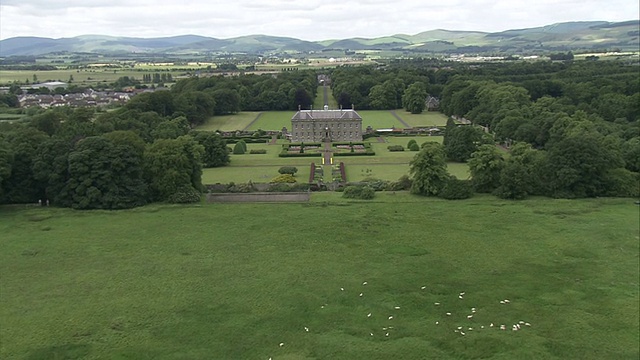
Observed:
{"x":308,"y":20}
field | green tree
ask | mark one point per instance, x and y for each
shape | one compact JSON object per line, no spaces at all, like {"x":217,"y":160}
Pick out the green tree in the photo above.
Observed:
{"x":428,"y":170}
{"x":6,"y":159}
{"x":227,"y":101}
{"x":171,"y":129}
{"x":485,"y":166}
{"x":21,"y":186}
{"x":197,"y":106}
{"x":462,"y":141}
{"x":215,"y":148}
{"x":106,"y":174}
{"x":414,"y":98}
{"x":383,"y":97}
{"x":173,"y":169}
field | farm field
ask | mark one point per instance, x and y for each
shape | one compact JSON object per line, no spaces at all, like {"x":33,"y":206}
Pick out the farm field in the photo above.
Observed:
{"x":232,"y":122}
{"x":329,"y":279}
{"x":80,"y":77}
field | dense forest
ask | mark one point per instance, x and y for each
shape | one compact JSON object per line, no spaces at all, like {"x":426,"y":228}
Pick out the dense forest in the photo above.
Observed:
{"x":567,"y":129}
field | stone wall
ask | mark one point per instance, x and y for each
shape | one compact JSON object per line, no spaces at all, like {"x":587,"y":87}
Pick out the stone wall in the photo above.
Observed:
{"x":260,"y":197}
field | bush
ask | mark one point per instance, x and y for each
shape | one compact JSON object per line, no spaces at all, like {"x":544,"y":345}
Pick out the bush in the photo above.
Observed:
{"x":413,"y":146}
{"x":258,"y":151}
{"x":455,"y":189}
{"x":283,"y":178}
{"x":395,"y":148}
{"x":403,"y":183}
{"x":358,"y":192}
{"x":411,"y":142}
{"x":239,"y":149}
{"x":185,"y":195}
{"x":288,"y":170}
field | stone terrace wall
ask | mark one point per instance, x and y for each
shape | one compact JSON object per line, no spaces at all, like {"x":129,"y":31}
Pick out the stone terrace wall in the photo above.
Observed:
{"x":260,"y":197}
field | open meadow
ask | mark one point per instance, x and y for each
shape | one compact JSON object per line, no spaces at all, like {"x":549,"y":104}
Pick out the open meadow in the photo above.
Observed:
{"x":399,"y":277}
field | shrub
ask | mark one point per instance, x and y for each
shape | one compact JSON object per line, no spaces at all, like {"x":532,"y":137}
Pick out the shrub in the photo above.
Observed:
{"x":411,"y":142}
{"x":283,"y":178}
{"x":455,"y":189}
{"x":395,"y":148}
{"x":288,"y":170}
{"x":239,"y":149}
{"x":185,"y":195}
{"x":403,"y":183}
{"x":258,"y":151}
{"x":358,"y":192}
{"x":414,"y":146}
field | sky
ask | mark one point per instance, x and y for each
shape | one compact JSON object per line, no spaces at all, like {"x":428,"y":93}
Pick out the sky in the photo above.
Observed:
{"x":303,"y":19}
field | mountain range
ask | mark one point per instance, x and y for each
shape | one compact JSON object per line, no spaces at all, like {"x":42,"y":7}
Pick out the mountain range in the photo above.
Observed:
{"x":587,"y":35}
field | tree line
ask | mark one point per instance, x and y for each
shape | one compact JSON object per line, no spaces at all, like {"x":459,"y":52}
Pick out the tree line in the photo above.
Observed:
{"x":577,"y":137}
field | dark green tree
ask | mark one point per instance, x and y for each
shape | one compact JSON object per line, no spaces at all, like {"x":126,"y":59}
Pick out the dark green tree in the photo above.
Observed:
{"x":485,"y":166}
{"x":105,"y":175}
{"x":414,"y":98}
{"x":173,"y":169}
{"x":215,"y":148}
{"x":428,"y":170}
{"x":462,"y":141}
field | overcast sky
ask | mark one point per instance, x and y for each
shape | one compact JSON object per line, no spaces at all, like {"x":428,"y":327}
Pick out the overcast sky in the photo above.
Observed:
{"x":302,"y":19}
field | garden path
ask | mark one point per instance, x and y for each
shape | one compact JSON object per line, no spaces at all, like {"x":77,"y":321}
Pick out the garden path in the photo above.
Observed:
{"x":252,"y":122}
{"x":393,"y":112}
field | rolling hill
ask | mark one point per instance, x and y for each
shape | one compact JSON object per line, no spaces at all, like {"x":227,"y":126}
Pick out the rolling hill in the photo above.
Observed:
{"x":588,"y":35}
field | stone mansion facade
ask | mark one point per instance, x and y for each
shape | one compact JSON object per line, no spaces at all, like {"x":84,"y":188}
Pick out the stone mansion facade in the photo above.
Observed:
{"x":326,"y":125}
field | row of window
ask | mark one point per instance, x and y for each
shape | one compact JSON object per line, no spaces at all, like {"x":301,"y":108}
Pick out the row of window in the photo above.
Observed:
{"x":314,"y":133}
{"x":311,"y":126}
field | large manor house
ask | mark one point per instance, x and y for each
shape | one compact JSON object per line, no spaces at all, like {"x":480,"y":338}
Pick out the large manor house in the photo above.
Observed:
{"x":326,"y":125}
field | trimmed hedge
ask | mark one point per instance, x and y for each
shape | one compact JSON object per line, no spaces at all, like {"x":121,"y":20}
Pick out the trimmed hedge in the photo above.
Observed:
{"x":258,"y":151}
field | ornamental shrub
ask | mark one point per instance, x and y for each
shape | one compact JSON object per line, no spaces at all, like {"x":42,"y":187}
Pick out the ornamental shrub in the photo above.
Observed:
{"x":413,"y":146}
{"x":283,"y":178}
{"x":455,"y":189}
{"x":395,"y":148}
{"x":358,"y":192}
{"x":258,"y":151}
{"x":239,"y":148}
{"x":288,"y":170}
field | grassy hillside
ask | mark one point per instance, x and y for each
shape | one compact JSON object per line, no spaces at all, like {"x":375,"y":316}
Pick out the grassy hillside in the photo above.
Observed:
{"x":330,"y":279}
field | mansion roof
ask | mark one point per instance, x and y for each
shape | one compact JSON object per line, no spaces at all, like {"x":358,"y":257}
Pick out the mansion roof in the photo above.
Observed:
{"x":340,"y":114}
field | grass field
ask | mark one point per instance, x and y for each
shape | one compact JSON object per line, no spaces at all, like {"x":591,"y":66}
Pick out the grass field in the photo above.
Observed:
{"x":379,"y":119}
{"x":298,"y":281}
{"x":427,"y":118}
{"x":233,"y":122}
{"x":273,"y":120}
{"x":81,"y":77}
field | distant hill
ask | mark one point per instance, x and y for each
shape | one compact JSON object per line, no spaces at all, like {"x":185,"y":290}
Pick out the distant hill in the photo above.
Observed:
{"x":587,"y":35}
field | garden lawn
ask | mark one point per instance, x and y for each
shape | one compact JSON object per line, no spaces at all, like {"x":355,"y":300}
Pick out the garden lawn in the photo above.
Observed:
{"x":259,"y":168}
{"x":232,"y":122}
{"x":329,"y":279}
{"x":273,"y":120}
{"x":379,"y":119}
{"x":425,"y":119}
